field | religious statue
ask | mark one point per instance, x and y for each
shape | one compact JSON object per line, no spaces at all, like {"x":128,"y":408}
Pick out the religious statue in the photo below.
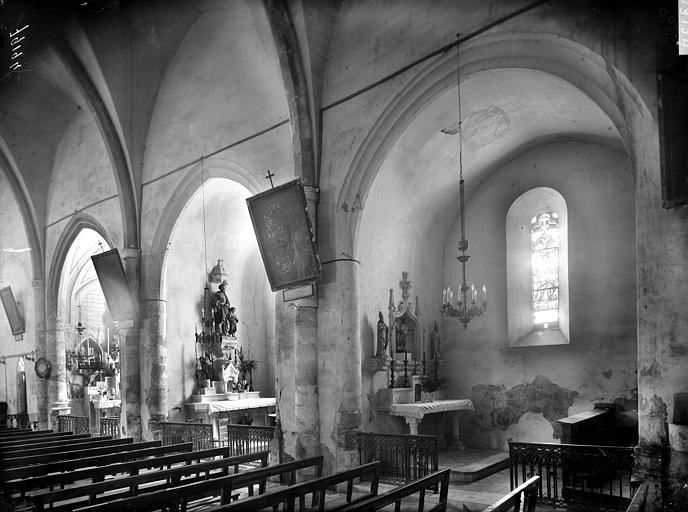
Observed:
{"x":435,"y":342}
{"x":233,"y":320}
{"x":382,"y":336}
{"x":222,"y":311}
{"x":402,"y":337}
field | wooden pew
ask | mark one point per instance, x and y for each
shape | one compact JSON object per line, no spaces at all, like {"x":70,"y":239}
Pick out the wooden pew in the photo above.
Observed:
{"x":165,"y":456}
{"x":525,"y":493}
{"x":8,"y":432}
{"x":396,"y":496}
{"x":44,"y":441}
{"x":178,"y":497}
{"x":27,"y":450}
{"x":134,"y":451}
{"x":317,"y":488}
{"x":638,"y":501}
{"x":32,"y":434}
{"x":131,"y":486}
{"x":111,"y":446}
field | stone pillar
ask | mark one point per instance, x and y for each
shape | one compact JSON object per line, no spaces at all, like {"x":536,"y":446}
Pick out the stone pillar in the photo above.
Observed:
{"x":55,"y":350}
{"x":38,"y":286}
{"x":339,"y":368}
{"x":297,"y":372}
{"x":130,"y":354}
{"x":662,"y":260}
{"x":153,"y":366}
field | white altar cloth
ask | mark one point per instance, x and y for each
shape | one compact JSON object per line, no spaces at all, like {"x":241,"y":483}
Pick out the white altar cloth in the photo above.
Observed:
{"x":414,"y":412}
{"x":239,"y":405}
{"x":419,"y":409}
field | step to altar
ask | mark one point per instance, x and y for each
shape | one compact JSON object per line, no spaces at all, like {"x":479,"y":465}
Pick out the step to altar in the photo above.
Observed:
{"x":471,"y":464}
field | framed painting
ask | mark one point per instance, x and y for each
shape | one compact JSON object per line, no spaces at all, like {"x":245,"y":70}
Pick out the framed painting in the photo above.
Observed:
{"x":14,"y":316}
{"x":115,"y":287}
{"x":285,"y":236}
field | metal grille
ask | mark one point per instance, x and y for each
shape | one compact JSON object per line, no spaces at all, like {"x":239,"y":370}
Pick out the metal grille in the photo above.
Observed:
{"x":109,"y":427}
{"x":243,"y":439}
{"x":200,"y":434}
{"x":75,"y":424}
{"x":404,"y":457}
{"x":588,"y":477}
{"x":20,"y":420}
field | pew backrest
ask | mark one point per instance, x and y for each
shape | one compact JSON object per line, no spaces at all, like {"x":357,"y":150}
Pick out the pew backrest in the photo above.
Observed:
{"x":65,"y":446}
{"x":638,"y":501}
{"x":165,"y":456}
{"x":130,"y":485}
{"x":44,"y":441}
{"x":525,"y":494}
{"x":110,"y":446}
{"x":134,"y":451}
{"x":317,"y":487}
{"x":419,"y":486}
{"x":177,"y":497}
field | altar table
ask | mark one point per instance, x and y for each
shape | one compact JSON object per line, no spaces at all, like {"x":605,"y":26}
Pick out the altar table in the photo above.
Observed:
{"x":414,"y":412}
{"x":211,"y":411}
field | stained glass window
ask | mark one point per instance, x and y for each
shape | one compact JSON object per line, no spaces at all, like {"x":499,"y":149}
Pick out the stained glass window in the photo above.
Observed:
{"x":545,"y":244}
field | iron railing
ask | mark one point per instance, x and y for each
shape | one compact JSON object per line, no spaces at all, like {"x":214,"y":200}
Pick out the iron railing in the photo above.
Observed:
{"x":74,"y":424}
{"x":404,"y":457}
{"x":588,"y":477}
{"x":20,"y":420}
{"x":243,"y":439}
{"x":200,"y":434}
{"x":110,"y":427}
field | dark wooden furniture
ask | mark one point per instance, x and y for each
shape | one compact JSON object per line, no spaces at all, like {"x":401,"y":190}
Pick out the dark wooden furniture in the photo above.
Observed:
{"x":396,"y":496}
{"x":525,"y":494}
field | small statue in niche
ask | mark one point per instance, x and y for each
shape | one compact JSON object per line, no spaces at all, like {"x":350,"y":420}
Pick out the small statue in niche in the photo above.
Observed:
{"x":382,"y":336}
{"x":222,"y":310}
{"x":232,"y":320}
{"x":435,"y":342}
{"x":402,"y":337}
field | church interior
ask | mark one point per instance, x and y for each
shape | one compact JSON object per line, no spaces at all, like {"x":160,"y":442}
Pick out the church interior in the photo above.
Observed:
{"x":486,"y":244}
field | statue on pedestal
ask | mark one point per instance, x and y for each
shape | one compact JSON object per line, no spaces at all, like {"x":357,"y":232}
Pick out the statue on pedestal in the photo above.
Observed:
{"x":224,"y":318}
{"x":382,"y":336}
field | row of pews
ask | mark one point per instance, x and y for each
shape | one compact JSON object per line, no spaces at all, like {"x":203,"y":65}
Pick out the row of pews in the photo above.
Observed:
{"x":64,"y":471}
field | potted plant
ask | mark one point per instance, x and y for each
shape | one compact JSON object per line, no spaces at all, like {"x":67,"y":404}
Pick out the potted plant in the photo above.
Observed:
{"x":247,"y":366}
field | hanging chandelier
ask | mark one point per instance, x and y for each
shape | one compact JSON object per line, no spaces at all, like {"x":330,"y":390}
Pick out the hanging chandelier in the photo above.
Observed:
{"x":467,"y":306}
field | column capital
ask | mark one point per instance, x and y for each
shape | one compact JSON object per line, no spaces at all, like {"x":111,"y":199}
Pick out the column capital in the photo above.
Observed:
{"x":130,"y":252}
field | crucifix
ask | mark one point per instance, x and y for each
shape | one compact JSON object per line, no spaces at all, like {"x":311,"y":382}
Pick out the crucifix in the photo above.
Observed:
{"x":100,"y":244}
{"x":269,"y":177}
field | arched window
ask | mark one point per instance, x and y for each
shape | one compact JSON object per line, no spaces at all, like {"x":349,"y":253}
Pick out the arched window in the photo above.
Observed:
{"x":537,"y":269}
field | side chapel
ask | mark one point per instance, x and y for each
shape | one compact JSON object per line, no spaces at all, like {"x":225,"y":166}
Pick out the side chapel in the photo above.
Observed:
{"x":448,"y":151}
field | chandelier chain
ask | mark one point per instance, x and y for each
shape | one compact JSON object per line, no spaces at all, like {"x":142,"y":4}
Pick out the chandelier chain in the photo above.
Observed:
{"x":205,"y":238}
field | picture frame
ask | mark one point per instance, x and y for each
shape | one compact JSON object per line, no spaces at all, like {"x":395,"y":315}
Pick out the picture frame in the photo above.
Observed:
{"x":285,"y":236}
{"x":14,"y":316}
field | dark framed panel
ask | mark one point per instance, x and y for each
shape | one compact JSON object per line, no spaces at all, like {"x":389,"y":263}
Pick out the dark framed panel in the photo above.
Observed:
{"x":115,"y":287}
{"x":285,"y":236}
{"x":14,"y":316}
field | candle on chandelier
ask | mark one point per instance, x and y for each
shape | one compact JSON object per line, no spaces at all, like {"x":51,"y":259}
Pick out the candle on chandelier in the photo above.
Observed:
{"x":474,"y":294}
{"x":444,"y":296}
{"x":451,"y":296}
{"x":484,"y":293}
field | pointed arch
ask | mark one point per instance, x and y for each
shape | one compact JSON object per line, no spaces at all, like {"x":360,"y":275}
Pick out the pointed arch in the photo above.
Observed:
{"x":124,"y":177}
{"x":26,"y":208}
{"x":549,"y":53}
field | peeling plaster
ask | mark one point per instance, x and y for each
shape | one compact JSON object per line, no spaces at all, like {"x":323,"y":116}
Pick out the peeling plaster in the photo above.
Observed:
{"x":495,"y":406}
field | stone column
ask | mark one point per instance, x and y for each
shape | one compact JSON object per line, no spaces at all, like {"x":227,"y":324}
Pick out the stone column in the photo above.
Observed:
{"x":38,"y":286}
{"x":339,"y":368}
{"x":153,"y":366}
{"x":130,"y":354}
{"x":297,"y":372}
{"x":55,"y":350}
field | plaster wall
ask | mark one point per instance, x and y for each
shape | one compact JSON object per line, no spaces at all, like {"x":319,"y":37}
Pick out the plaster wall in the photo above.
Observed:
{"x":517,"y":390}
{"x":229,"y":236}
{"x":16,"y":272}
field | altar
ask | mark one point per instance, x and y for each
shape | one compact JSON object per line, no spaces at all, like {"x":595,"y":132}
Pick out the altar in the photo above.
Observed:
{"x":414,"y":413}
{"x":228,"y":407}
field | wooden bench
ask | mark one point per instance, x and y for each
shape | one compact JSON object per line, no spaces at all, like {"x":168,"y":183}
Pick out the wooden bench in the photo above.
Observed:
{"x":638,"y":501}
{"x":32,"y":434}
{"x":44,"y":441}
{"x":317,"y":488}
{"x":65,"y":446}
{"x":166,"y":456}
{"x":177,"y":498}
{"x":134,"y":451}
{"x":420,"y":486}
{"x":131,"y":486}
{"x":112,"y":446}
{"x":525,"y":494}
